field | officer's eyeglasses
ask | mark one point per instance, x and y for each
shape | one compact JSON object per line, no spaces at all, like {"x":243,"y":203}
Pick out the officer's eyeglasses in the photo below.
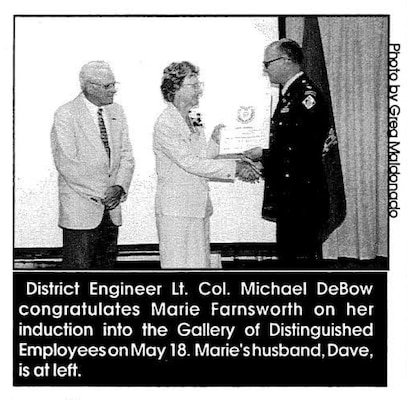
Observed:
{"x":267,"y":63}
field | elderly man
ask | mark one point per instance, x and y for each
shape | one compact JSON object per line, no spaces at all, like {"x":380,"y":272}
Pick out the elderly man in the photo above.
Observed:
{"x":93,"y":156}
{"x":295,"y":194}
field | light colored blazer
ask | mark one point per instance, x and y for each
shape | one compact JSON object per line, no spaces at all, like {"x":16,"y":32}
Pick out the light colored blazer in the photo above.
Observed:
{"x":183,"y":166}
{"x":83,"y":164}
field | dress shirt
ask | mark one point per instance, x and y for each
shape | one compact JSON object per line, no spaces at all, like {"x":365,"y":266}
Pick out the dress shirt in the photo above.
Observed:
{"x":93,"y":109}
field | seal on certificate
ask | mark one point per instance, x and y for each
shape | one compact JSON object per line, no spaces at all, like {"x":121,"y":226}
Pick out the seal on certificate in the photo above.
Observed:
{"x":245,"y":114}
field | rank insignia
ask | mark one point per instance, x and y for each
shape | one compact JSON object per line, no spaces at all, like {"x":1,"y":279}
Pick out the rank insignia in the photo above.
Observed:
{"x":309,"y":102}
{"x":311,"y":92}
{"x":285,"y":109}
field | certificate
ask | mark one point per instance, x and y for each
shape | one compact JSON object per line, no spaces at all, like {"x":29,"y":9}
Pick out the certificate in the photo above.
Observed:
{"x":246,"y":126}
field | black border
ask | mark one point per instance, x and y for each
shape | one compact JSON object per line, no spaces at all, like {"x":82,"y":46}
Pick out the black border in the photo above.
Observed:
{"x":281,"y":19}
{"x":22,"y":252}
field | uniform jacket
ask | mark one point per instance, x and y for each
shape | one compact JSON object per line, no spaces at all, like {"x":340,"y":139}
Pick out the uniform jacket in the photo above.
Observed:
{"x":83,"y":164}
{"x":184,"y":164}
{"x":294,"y":177}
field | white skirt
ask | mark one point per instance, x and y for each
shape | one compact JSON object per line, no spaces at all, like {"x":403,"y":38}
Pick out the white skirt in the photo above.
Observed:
{"x":184,"y":242}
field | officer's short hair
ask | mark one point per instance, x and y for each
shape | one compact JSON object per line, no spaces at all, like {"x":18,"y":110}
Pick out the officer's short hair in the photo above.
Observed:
{"x":292,"y":49}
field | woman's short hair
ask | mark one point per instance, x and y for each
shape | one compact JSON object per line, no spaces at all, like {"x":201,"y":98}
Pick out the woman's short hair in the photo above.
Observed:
{"x":173,"y":77}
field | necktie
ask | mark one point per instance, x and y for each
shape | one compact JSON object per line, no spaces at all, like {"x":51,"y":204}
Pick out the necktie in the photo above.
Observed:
{"x":103,"y":131}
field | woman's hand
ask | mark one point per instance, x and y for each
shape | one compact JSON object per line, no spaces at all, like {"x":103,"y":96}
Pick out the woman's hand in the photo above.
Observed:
{"x":216,"y":133}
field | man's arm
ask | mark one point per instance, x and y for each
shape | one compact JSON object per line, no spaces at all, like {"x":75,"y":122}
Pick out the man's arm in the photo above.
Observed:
{"x":126,"y":167}
{"x":118,"y":192}
{"x":79,"y":175}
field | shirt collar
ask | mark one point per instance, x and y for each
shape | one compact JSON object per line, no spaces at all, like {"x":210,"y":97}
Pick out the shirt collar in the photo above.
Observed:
{"x":93,"y":108}
{"x":290,"y":81}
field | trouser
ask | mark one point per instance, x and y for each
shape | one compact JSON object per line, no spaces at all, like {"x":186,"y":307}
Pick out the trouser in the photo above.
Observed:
{"x":91,"y":248}
{"x":298,"y":236}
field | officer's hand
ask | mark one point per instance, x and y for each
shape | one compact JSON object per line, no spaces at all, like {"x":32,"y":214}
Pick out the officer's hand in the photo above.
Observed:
{"x":255,"y":154}
{"x":330,"y":142}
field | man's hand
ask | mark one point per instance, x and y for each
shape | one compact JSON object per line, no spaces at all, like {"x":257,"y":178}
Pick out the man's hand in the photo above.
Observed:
{"x":254,"y":154}
{"x":216,"y":133}
{"x":247,"y":172}
{"x":112,"y":198}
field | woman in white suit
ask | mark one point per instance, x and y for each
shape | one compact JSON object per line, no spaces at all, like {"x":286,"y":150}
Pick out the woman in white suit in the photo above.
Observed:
{"x":184,"y":163}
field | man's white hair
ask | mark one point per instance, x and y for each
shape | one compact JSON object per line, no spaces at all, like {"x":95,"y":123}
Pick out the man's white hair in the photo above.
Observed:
{"x":91,"y":70}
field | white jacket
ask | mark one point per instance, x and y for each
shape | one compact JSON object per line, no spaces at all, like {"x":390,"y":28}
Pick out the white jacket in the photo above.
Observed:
{"x":83,"y":164}
{"x":184,"y":166}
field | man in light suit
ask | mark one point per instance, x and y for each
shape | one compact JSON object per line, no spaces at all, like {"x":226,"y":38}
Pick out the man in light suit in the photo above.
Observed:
{"x":93,"y":156}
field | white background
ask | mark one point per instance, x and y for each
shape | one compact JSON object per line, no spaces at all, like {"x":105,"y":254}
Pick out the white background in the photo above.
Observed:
{"x":49,"y":55}
{"x":397,"y":277}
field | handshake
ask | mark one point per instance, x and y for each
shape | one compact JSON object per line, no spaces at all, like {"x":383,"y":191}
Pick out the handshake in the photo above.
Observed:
{"x":249,"y":168}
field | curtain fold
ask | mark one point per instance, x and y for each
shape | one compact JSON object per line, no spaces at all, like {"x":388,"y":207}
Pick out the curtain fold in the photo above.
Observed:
{"x":356,"y":51}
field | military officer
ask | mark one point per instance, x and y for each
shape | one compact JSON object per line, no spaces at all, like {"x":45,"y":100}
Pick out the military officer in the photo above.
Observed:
{"x":295,"y":194}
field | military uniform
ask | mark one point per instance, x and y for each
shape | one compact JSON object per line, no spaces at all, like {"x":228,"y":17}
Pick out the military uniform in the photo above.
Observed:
{"x":295,"y":194}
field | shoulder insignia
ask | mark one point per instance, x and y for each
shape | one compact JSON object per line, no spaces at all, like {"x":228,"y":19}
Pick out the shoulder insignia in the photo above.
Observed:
{"x":309,"y":102}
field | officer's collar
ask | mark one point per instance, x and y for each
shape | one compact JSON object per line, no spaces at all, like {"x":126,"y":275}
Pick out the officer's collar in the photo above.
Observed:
{"x":290,"y":81}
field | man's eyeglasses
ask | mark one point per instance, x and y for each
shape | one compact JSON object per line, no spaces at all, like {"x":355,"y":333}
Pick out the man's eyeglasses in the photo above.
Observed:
{"x":267,"y":63}
{"x":113,"y":85}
